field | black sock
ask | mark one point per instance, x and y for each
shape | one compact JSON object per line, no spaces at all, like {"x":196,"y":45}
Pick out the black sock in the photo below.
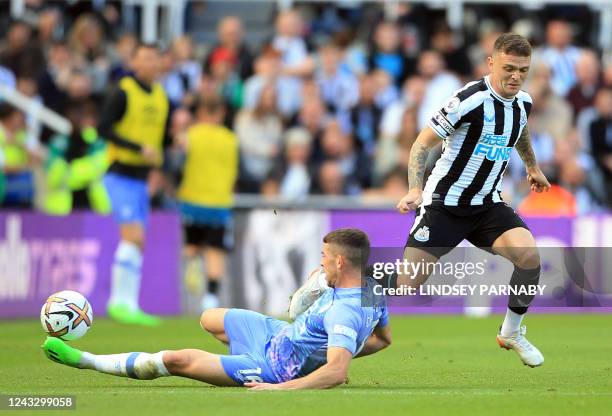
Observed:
{"x":522,"y":277}
{"x":213,"y":286}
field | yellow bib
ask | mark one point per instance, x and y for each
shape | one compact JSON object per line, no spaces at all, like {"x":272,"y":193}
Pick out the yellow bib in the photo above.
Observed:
{"x":143,"y":122}
{"x":15,"y":154}
{"x":211,"y":167}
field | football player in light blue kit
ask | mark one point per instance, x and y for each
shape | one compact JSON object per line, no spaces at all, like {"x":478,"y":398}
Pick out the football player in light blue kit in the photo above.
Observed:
{"x":265,"y":353}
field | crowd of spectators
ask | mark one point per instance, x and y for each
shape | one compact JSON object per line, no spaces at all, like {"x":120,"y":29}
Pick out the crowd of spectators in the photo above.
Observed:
{"x":330,"y":104}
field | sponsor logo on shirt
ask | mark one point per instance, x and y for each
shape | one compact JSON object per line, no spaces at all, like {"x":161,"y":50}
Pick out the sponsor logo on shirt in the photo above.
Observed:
{"x":345,"y":330}
{"x":493,"y":147}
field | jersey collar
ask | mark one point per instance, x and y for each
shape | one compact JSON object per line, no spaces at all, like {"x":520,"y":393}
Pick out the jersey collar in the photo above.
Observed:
{"x":496,"y":95}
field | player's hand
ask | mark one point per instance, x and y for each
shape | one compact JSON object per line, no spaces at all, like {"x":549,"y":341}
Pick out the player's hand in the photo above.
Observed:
{"x":410,"y":201}
{"x":537,"y":180}
{"x":254,"y":385}
{"x":149,"y":153}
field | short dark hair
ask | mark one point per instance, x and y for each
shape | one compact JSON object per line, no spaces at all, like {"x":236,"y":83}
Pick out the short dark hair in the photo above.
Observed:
{"x":353,"y":243}
{"x":6,"y":110}
{"x":512,"y":44}
{"x":19,"y":22}
{"x":146,"y":45}
{"x":210,"y":104}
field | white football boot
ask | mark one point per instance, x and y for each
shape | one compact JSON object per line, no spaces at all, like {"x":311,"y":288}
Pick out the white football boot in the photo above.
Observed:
{"x":307,"y":294}
{"x":527,"y":352}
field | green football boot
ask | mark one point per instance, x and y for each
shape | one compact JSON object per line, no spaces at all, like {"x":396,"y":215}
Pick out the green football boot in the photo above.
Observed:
{"x":125,"y":315}
{"x":57,"y":350}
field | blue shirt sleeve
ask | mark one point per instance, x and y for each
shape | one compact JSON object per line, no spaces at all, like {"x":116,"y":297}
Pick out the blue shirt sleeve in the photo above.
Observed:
{"x":342,"y":325}
{"x":384,"y":318}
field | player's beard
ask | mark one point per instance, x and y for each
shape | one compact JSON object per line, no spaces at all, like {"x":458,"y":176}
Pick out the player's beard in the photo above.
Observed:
{"x":331,"y":282}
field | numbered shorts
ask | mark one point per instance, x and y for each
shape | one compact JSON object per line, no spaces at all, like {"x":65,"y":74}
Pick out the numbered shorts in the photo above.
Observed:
{"x":437,"y":230}
{"x":129,"y":198}
{"x":248,"y":333}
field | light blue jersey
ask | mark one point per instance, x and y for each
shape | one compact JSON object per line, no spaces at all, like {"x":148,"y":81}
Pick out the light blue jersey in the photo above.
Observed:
{"x":336,"y":319}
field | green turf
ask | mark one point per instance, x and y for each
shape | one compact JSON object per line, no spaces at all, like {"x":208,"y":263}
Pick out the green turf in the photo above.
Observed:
{"x":436,"y":365}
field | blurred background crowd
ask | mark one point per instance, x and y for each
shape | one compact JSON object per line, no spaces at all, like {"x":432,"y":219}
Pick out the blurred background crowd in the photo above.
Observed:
{"x":324,"y":98}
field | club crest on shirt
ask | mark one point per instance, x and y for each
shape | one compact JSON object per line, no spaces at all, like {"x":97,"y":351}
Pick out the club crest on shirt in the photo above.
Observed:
{"x":489,"y":118}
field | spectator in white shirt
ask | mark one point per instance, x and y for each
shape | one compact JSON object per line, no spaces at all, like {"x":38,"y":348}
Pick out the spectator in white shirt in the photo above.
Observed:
{"x":440,"y":85}
{"x":560,"y":56}
{"x":259,"y":133}
{"x":296,"y":180}
{"x":413,"y":92}
{"x":339,"y":88}
{"x":268,"y":69}
{"x":289,"y":41}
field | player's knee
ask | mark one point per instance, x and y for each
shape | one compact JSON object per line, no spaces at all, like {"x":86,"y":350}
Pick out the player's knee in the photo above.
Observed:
{"x":209,"y":320}
{"x":134,"y":233}
{"x":528,"y":259}
{"x":205,"y":320}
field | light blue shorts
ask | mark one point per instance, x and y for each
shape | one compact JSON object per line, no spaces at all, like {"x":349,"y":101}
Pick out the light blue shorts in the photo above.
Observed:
{"x":129,"y":198}
{"x":248,"y":333}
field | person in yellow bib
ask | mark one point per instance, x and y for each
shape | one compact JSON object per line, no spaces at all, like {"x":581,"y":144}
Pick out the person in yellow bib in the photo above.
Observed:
{"x":134,"y":122}
{"x":206,"y":194}
{"x":17,"y":159}
{"x":76,"y":164}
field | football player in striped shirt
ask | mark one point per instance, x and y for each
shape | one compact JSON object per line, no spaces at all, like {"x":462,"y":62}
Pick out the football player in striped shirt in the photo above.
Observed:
{"x":479,"y":126}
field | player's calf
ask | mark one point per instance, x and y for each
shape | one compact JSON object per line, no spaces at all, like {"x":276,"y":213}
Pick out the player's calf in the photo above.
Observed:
{"x":197,"y":365}
{"x":520,"y":299}
{"x":176,"y":361}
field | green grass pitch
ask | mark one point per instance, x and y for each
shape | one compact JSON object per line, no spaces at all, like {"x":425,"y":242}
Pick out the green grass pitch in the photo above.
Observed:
{"x":437,"y":365}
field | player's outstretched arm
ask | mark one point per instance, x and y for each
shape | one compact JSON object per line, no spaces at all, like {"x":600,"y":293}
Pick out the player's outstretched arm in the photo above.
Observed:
{"x":536,"y":178}
{"x":377,"y":341}
{"x":426,"y":139}
{"x":332,"y":374}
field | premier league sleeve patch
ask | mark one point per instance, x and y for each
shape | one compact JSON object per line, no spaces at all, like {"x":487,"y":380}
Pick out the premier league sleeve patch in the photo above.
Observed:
{"x":345,"y":330}
{"x":452,"y":105}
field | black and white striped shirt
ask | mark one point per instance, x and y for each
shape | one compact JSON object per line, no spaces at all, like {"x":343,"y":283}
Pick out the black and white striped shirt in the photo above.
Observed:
{"x":479,"y":129}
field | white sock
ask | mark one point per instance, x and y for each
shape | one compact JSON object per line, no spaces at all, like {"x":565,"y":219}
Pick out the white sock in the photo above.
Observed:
{"x":139,"y":365}
{"x":512,"y":323}
{"x":126,"y":274}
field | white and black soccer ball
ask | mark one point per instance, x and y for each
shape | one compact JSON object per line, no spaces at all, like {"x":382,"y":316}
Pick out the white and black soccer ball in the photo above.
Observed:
{"x":66,"y":315}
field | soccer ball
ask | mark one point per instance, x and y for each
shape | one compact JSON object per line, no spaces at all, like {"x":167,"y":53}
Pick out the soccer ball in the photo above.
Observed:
{"x":66,"y":315}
